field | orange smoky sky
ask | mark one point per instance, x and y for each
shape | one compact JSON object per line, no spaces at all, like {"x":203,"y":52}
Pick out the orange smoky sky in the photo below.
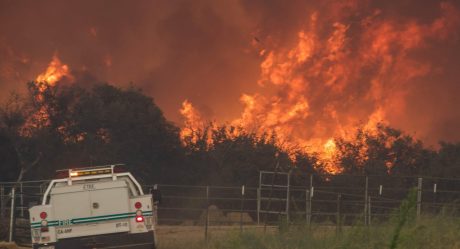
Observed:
{"x":309,"y":69}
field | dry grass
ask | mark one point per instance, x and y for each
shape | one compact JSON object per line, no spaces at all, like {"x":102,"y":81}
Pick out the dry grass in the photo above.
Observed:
{"x":439,"y":232}
{"x":174,"y":237}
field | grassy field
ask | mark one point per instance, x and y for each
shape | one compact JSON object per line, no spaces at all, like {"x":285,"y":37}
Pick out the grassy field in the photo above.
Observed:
{"x":174,"y":237}
{"x":404,"y":231}
{"x":428,"y":232}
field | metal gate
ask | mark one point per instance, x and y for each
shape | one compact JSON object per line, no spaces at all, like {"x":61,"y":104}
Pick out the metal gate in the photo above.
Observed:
{"x":15,"y":200}
{"x":273,"y":196}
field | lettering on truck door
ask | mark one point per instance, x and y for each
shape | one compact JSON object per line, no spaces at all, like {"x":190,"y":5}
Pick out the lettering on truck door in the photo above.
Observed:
{"x":66,"y":207}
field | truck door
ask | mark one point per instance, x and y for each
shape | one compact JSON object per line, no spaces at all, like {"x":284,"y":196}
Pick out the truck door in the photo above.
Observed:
{"x":109,"y":204}
{"x":109,"y":201}
{"x":68,"y":205}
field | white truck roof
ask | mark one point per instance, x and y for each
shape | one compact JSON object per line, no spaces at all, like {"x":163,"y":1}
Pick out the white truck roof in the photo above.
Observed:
{"x":68,"y":177}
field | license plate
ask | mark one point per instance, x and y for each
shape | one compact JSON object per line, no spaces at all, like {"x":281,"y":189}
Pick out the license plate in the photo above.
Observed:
{"x":36,"y":234}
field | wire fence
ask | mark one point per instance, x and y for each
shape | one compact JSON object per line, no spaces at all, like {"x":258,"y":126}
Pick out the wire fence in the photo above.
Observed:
{"x":15,"y":200}
{"x":331,"y":200}
{"x":341,"y":200}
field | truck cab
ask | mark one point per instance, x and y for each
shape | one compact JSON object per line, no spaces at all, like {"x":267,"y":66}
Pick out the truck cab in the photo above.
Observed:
{"x":95,"y":207}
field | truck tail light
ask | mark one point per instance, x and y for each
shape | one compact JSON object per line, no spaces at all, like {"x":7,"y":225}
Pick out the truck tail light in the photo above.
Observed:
{"x":44,"y":226}
{"x":138,"y":205}
{"x":43,"y":215}
{"x":139,"y":218}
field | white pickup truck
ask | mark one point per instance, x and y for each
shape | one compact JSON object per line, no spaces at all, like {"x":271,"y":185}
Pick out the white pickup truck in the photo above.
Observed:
{"x":96,"y":207}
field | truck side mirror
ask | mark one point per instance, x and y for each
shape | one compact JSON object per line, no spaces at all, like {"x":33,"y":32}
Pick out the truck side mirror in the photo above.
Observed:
{"x":156,"y":193}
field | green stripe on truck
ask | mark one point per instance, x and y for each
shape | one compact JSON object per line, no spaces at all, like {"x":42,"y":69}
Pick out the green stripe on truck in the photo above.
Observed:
{"x":91,"y":219}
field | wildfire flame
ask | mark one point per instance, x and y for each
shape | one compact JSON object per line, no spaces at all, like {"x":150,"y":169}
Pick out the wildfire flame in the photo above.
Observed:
{"x":55,"y":71}
{"x":193,"y":123}
{"x":336,"y":76}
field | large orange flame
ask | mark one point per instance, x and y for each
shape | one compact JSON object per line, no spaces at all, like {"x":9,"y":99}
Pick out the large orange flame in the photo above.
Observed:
{"x":55,"y":71}
{"x":193,"y":122}
{"x":337,"y":76}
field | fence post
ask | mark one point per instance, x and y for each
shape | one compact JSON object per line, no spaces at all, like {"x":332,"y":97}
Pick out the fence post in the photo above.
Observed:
{"x":365,"y":201}
{"x":242,"y":208}
{"x":13,"y":197}
{"x":21,"y":196}
{"x":288,"y":193}
{"x":2,"y":201}
{"x":307,"y":207}
{"x":419,"y":197}
{"x":259,"y":196}
{"x":258,"y":206}
{"x":434,"y":197}
{"x":338,"y":218}
{"x":207,"y":216}
{"x":154,"y":191}
{"x":310,"y":196}
{"x":369,"y":208}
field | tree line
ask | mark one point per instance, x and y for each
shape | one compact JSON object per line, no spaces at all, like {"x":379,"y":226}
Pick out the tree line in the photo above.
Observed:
{"x":75,"y":125}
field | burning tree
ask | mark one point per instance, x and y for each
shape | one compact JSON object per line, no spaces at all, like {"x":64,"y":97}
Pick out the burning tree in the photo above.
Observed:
{"x":63,"y":122}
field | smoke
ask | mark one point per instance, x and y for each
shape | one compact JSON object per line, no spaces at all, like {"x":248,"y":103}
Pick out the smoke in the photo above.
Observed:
{"x":198,"y":50}
{"x":212,"y":53}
